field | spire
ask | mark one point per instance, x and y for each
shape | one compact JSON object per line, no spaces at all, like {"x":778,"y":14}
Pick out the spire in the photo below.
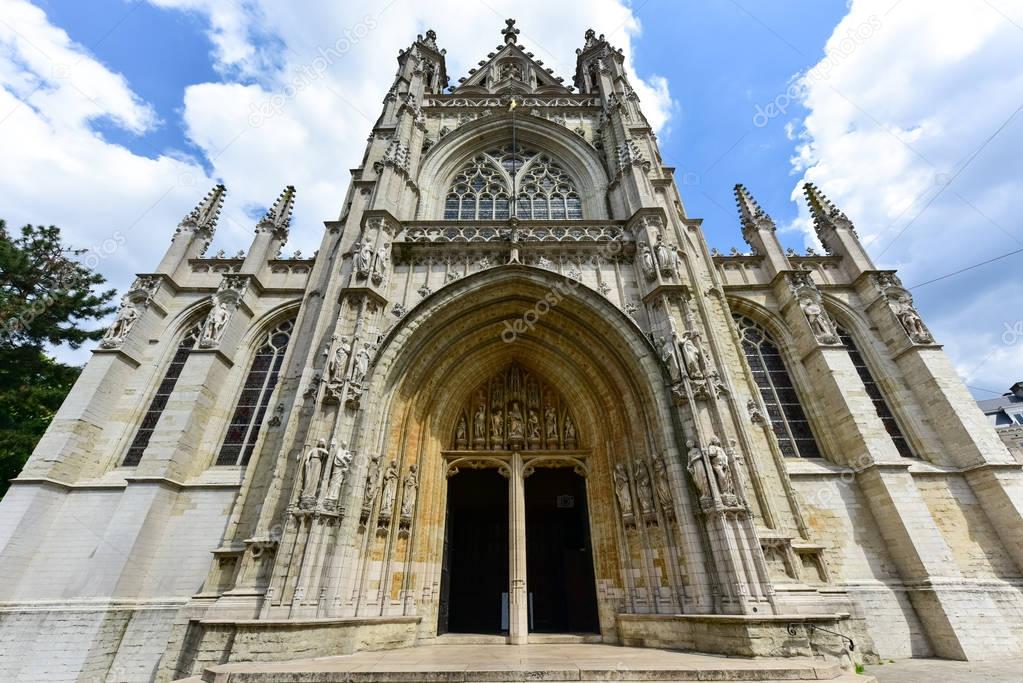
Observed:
{"x":751,"y":215}
{"x":824,"y":213}
{"x":203,"y":218}
{"x":509,"y":32}
{"x":278,"y":217}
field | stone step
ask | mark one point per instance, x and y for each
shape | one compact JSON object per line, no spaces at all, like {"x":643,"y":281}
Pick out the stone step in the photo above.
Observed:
{"x":458,"y":663}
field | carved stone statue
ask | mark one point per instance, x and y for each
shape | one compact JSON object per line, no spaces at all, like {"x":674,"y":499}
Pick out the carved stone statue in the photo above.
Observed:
{"x":408,"y":497}
{"x":692,"y":355}
{"x":644,"y":490}
{"x":372,"y":482}
{"x":661,"y":484}
{"x":363,"y":257}
{"x":665,"y":258}
{"x":338,"y":362}
{"x":719,"y":463}
{"x":390,"y":488}
{"x":647,"y":261}
{"x":216,"y":322}
{"x":550,"y":417}
{"x":496,"y":425}
{"x":380,"y":264}
{"x":569,"y":429}
{"x":621,"y":480}
{"x":820,"y":324}
{"x":460,"y":430}
{"x":126,"y":317}
{"x":697,"y":470}
{"x":361,"y":366}
{"x":516,"y":427}
{"x":670,"y":359}
{"x":479,"y":425}
{"x":911,"y":320}
{"x":756,"y":416}
{"x":533,"y":425}
{"x":312,"y":466}
{"x":342,"y":462}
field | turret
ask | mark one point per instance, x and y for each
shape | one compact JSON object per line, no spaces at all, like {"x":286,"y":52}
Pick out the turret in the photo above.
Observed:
{"x":759,"y":231}
{"x":836,"y":232}
{"x":194,"y":232}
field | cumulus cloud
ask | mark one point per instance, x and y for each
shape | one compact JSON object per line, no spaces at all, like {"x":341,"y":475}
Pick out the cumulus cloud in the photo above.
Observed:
{"x":913,"y":129}
{"x":62,"y":171}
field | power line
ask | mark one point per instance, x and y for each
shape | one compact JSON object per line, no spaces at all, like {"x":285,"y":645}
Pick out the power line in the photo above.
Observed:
{"x":963,"y":270}
{"x":997,"y":393}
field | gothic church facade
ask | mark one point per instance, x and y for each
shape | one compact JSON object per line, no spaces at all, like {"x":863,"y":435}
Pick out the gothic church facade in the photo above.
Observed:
{"x":512,"y":393}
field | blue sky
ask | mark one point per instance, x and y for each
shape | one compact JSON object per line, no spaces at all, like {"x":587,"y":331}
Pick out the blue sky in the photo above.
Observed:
{"x":118,"y":115}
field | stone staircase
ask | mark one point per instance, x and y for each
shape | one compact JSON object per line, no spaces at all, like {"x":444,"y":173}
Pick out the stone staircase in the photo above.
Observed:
{"x":472,"y":663}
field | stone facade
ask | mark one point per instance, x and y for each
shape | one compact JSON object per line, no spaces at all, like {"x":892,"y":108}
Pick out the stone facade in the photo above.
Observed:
{"x":254,"y":463}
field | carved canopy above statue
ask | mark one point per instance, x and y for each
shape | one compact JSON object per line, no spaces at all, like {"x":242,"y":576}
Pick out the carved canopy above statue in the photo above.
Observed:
{"x":513,"y":410}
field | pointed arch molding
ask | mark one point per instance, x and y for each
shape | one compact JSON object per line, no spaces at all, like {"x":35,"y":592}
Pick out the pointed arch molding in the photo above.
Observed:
{"x":579,"y":159}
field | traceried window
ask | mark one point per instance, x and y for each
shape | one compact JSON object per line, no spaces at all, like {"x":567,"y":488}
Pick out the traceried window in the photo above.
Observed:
{"x":163,"y":394}
{"x":255,"y":397}
{"x":776,"y":391}
{"x":482,"y":188}
{"x":876,"y":397}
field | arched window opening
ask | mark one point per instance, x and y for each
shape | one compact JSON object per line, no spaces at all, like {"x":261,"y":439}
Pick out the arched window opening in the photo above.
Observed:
{"x":795,"y":438}
{"x":876,"y":397}
{"x":480,"y":191}
{"x":255,"y":397}
{"x":163,"y":394}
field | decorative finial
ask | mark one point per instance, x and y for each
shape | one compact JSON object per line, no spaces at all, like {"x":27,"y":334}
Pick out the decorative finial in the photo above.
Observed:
{"x":509,"y":32}
{"x":751,"y":215}
{"x":278,"y":217}
{"x":204,"y":216}
{"x":824,"y":212}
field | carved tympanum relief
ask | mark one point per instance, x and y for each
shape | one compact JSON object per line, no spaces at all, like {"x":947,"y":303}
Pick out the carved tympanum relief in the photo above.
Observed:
{"x":513,"y":410}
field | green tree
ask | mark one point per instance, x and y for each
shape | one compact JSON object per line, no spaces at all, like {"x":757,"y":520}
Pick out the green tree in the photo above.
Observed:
{"x":47,"y":297}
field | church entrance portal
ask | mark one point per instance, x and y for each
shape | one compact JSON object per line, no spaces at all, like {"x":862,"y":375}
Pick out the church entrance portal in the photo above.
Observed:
{"x":559,"y":558}
{"x":475,"y":581}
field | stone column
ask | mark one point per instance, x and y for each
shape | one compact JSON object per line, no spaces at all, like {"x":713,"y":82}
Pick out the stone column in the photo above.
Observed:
{"x":518,"y":593}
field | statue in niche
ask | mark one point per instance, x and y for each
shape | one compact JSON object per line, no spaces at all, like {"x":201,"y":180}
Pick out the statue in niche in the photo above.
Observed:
{"x":126,"y":317}
{"x":372,"y":482}
{"x":363,"y":257}
{"x":380,"y":265}
{"x":692,"y":355}
{"x":390,"y":488}
{"x":338,"y":362}
{"x":621,"y":480}
{"x":569,"y":429}
{"x":669,"y":358}
{"x":496,"y":425}
{"x":647,"y":261}
{"x":665,"y":258}
{"x":408,"y":497}
{"x":460,"y":430}
{"x":551,"y":424}
{"x":644,"y":490}
{"x":911,"y":320}
{"x":342,"y":462}
{"x":361,"y":366}
{"x":479,"y":426}
{"x":516,"y":427}
{"x":216,"y":322}
{"x":697,"y":471}
{"x":819,"y":323}
{"x":661,"y":480}
{"x":719,"y":463}
{"x":312,"y":466}
{"x":533,"y":425}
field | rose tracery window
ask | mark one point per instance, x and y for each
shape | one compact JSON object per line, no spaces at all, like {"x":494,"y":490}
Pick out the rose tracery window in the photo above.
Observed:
{"x":795,"y":438}
{"x":482,"y":188}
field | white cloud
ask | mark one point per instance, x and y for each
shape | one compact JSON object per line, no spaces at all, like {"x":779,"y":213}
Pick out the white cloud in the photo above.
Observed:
{"x":898,"y":135}
{"x":61,"y":171}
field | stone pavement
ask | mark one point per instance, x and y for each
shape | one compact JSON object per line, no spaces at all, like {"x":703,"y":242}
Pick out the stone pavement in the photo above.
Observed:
{"x":946,"y":671}
{"x":563,"y":662}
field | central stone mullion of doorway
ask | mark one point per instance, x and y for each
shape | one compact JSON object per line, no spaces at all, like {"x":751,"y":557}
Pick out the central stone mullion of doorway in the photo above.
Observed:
{"x":518,"y":592}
